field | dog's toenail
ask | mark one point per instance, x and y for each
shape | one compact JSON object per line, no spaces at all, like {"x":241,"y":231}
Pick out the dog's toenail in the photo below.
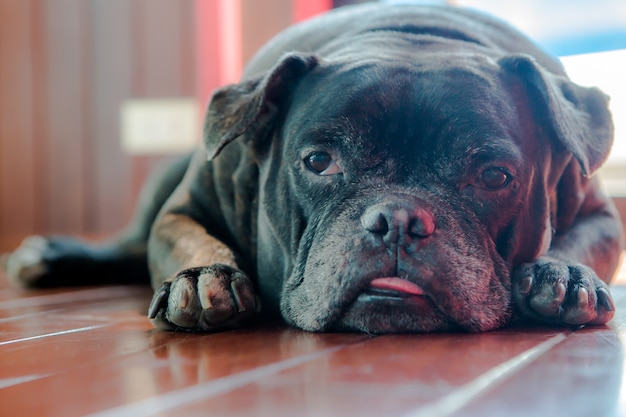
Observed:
{"x":605,"y":300}
{"x":583,"y":297}
{"x":238,"y":297}
{"x":526,"y":284}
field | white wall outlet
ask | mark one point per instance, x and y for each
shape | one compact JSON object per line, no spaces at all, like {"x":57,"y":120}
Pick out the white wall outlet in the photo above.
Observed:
{"x":160,"y":126}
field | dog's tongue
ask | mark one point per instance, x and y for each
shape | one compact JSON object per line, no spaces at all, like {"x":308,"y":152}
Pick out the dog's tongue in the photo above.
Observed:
{"x":397,"y":284}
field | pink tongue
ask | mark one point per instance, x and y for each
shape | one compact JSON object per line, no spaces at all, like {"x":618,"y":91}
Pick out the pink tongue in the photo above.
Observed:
{"x":397,"y":284}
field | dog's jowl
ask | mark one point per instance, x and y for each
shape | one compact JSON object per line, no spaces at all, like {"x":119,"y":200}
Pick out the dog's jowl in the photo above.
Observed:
{"x":378,"y":169}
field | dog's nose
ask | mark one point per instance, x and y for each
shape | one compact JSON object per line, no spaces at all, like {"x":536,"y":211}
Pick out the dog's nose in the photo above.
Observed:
{"x":392,"y":221}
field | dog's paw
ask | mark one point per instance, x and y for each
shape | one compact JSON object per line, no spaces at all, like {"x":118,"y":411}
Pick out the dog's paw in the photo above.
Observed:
{"x":52,"y":261}
{"x":204,"y":299}
{"x":553,"y":291}
{"x":27,"y":264}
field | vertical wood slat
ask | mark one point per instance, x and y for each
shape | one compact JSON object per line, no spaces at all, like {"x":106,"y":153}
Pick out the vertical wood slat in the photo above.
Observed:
{"x":187,"y":49}
{"x":218,"y":32}
{"x":305,"y":9}
{"x":74,"y":60}
{"x":18,"y":183}
{"x":65,"y":68}
{"x":109,"y":204}
{"x":160,"y":56}
{"x":65,"y":177}
{"x":164,"y":64}
{"x":261,"y":21}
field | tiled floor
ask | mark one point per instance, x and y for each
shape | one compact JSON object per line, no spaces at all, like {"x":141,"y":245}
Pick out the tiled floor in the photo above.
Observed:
{"x":92,"y":352}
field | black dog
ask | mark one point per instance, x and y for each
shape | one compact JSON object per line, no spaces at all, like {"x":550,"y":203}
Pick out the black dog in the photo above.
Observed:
{"x":379,"y":169}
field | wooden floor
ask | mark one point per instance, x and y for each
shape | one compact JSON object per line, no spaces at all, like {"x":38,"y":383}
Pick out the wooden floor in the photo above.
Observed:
{"x":91,"y":351}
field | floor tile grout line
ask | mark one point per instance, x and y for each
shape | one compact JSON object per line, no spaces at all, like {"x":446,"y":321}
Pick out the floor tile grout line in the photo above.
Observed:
{"x":451,"y":403}
{"x":9,"y":382}
{"x":168,"y":401}
{"x":94,"y":294}
{"x":80,"y":365}
{"x":29,"y":315}
{"x":67,"y":311}
{"x":81,"y":329}
{"x":58,"y":312}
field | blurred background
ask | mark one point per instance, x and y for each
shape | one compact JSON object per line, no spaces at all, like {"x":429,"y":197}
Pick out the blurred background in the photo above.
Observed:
{"x":94,"y":94}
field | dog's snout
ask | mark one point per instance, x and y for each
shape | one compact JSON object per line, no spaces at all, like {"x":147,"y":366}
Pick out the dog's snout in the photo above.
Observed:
{"x":392,"y":221}
{"x":375,"y":221}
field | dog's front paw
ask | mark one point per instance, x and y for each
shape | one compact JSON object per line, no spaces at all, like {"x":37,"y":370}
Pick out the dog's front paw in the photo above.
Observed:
{"x":553,"y":291}
{"x":26,"y":266}
{"x":204,"y":299}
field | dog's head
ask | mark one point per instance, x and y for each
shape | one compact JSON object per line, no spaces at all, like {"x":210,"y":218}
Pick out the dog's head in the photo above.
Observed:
{"x":396,"y":193}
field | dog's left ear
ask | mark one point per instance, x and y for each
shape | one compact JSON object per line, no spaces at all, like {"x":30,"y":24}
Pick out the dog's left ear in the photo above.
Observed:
{"x":235,"y":108}
{"x":579,"y":116}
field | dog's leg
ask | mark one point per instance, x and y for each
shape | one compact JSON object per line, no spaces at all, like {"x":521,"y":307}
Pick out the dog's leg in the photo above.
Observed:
{"x":197,"y":277}
{"x":198,"y":285}
{"x":61,"y":260}
{"x":568,"y":285}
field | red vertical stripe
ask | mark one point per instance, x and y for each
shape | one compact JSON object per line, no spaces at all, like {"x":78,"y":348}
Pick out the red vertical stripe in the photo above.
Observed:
{"x":304,"y":9}
{"x":218,"y":36}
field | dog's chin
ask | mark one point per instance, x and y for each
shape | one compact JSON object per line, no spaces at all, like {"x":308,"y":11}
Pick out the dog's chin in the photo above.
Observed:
{"x":377,"y":314}
{"x":393,"y":305}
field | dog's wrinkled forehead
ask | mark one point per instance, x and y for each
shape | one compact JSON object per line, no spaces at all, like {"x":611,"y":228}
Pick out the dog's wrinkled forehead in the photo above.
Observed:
{"x":402,"y":110}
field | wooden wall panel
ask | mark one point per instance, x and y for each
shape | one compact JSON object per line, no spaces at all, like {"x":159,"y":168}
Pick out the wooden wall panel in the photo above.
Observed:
{"x":110,"y":194}
{"x":66,"y":66}
{"x":65,"y":118}
{"x":18,"y":168}
{"x":218,"y":45}
{"x":261,"y":21}
{"x":164,"y":61}
{"x":305,"y":9}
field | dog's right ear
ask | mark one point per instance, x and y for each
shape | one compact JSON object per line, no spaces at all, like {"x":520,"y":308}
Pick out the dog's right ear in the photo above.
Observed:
{"x":579,"y":116}
{"x":236,"y":108}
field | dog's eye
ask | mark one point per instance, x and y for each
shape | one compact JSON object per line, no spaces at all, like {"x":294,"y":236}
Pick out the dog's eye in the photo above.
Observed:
{"x":321,"y":163}
{"x":494,"y":178}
